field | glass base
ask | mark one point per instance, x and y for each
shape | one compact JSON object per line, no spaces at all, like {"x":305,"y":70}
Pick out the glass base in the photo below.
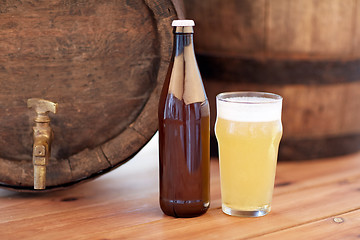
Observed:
{"x":241,"y":213}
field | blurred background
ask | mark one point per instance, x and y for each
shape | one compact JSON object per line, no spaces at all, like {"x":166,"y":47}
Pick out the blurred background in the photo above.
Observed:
{"x":305,"y":50}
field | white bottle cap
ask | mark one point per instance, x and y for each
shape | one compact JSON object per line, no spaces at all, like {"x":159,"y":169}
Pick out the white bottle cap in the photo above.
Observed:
{"x":183,"y":23}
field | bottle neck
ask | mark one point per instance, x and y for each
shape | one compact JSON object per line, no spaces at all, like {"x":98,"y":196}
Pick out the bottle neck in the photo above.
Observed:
{"x":183,"y":38}
{"x":182,"y":41}
{"x":183,"y":29}
{"x":185,"y":81}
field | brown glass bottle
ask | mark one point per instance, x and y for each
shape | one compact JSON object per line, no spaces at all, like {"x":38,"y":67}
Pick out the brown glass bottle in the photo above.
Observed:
{"x":184,"y":132}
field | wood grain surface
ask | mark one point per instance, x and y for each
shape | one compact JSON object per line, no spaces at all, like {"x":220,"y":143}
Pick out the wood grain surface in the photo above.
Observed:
{"x":316,"y":199}
{"x":277,"y":29}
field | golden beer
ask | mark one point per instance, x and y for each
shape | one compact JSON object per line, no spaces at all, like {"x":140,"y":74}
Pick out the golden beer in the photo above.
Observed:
{"x":248,"y":130}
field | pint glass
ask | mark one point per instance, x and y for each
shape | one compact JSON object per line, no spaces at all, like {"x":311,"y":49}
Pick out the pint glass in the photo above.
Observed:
{"x":248,"y":130}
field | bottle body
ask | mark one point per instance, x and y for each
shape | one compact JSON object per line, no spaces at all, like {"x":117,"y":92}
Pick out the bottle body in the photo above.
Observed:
{"x":184,"y":136}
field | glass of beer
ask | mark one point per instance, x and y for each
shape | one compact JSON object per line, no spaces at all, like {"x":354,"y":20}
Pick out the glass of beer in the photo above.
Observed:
{"x":248,"y":130}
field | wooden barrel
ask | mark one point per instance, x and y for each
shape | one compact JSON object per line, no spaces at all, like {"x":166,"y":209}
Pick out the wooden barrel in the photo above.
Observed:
{"x":103,"y":62}
{"x":307,"y":51}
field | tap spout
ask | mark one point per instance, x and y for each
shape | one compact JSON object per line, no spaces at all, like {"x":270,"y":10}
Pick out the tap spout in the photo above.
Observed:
{"x":41,"y":153}
{"x":43,"y":136}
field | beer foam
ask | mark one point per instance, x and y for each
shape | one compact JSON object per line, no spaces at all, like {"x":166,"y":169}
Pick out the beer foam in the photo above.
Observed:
{"x":249,"y":109}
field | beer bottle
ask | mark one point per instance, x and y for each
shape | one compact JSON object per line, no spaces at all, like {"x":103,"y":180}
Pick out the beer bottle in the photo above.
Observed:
{"x":184,"y":131}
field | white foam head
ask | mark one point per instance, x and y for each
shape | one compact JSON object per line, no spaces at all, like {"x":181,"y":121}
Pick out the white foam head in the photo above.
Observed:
{"x":252,"y":108}
{"x":183,"y":23}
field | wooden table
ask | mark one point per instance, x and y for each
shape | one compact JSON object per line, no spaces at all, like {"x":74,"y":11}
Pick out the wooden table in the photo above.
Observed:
{"x":317,"y":199}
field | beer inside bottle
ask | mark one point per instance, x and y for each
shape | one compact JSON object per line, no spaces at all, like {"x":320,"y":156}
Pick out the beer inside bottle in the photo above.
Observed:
{"x":184,"y":131}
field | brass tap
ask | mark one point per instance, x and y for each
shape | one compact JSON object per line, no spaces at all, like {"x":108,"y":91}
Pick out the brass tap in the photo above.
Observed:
{"x":43,"y":136}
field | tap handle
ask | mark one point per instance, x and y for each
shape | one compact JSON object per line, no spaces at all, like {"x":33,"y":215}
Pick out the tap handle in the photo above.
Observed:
{"x":42,"y":107}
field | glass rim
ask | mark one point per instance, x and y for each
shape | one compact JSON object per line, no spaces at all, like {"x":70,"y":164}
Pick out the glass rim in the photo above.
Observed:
{"x":225,"y":97}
